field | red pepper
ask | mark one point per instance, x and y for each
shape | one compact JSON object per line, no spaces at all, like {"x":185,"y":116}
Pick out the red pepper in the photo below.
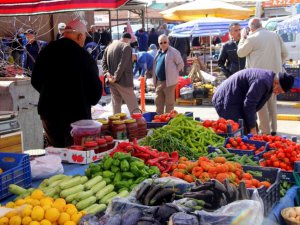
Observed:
{"x":151,"y":162}
{"x":164,"y":154}
{"x":167,"y":169}
{"x":124,"y":144}
{"x":146,"y":150}
{"x":141,"y":155}
{"x":159,"y":167}
{"x":175,"y":156}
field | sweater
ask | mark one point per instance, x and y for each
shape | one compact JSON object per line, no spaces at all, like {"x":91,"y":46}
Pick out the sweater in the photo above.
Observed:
{"x":67,"y":78}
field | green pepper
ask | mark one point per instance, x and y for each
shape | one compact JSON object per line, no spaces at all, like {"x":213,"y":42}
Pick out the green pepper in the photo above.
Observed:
{"x":123,"y":184}
{"x":128,"y":175}
{"x":155,"y":169}
{"x":107,"y":174}
{"x":95,"y":169}
{"x":114,"y":169}
{"x":121,"y":156}
{"x":118,"y":177}
{"x":144,"y":173}
{"x":135,"y":171}
{"x":124,"y":165}
{"x":108,"y":163}
{"x":133,"y":186}
{"x":87,"y":172}
{"x":135,"y":159}
{"x":123,"y":189}
{"x":138,"y":164}
{"x":116,"y":162}
{"x":107,"y":180}
{"x":100,"y":173}
{"x":139,"y":180}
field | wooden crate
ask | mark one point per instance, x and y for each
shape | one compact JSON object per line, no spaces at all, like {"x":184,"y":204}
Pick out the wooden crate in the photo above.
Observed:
{"x":188,"y":102}
{"x":11,"y":142}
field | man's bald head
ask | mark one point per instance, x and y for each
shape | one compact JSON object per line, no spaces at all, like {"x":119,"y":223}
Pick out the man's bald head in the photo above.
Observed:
{"x":254,"y":24}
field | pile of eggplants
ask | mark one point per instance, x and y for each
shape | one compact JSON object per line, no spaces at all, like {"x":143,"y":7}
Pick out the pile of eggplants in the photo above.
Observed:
{"x":213,"y":194}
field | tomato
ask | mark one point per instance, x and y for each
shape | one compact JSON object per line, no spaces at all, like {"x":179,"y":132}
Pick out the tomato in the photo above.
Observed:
{"x":276,"y":163}
{"x":156,"y":117}
{"x":207,"y":123}
{"x":238,"y":140}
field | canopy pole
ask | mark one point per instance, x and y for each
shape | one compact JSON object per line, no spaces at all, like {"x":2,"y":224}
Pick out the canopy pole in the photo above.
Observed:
{"x":210,"y":53}
{"x":109,"y":22}
{"x":118,"y":24}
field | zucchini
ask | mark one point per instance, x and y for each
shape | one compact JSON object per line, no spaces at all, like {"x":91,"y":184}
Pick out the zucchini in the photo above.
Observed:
{"x":83,"y":195}
{"x":56,"y":177}
{"x":70,"y":183}
{"x":95,"y":208}
{"x":71,"y":197}
{"x":107,"y":198}
{"x":15,"y":189}
{"x":57,"y":182}
{"x":122,"y":194}
{"x":107,"y":189}
{"x":98,"y":187}
{"x":84,"y":179}
{"x":51,"y":191}
{"x":74,"y":202}
{"x":43,"y":184}
{"x":86,"y":203}
{"x":71,"y":190}
{"x":88,"y":185}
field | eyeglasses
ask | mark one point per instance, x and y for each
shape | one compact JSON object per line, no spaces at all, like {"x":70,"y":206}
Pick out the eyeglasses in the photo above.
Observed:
{"x":163,"y":42}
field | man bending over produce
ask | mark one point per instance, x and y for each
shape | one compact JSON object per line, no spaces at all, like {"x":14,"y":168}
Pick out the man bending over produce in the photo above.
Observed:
{"x":245,"y":92}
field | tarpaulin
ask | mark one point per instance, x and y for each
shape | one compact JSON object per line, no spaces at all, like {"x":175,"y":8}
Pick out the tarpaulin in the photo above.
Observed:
{"x":32,"y":7}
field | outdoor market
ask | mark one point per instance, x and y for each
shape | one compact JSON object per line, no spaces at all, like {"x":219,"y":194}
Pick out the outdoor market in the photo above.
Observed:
{"x":150,"y":112}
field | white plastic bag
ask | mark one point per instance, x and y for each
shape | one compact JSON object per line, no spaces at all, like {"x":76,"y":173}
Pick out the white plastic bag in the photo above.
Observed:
{"x":46,"y":166}
{"x":207,"y":77}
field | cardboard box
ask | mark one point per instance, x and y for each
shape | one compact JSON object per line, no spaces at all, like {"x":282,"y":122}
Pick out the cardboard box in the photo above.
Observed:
{"x":75,"y":156}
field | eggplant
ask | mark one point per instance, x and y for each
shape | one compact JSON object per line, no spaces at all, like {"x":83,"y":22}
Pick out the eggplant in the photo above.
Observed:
{"x":218,"y":186}
{"x":243,"y":192}
{"x":236,"y":194}
{"x":230,"y":194}
{"x":182,"y":218}
{"x":115,"y":220}
{"x":206,"y":186}
{"x":160,"y":195}
{"x":131,"y":216}
{"x":146,"y":220}
{"x":142,"y":191}
{"x":151,"y":193}
{"x":164,"y":212}
{"x":205,"y":195}
{"x":198,"y":182}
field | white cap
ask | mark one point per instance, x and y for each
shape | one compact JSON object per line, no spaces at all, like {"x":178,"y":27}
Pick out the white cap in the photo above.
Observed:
{"x":76,"y":26}
{"x":61,"y":26}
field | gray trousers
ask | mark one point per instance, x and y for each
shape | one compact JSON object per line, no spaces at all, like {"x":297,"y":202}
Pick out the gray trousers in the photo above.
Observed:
{"x":165,"y":97}
{"x":268,"y":116}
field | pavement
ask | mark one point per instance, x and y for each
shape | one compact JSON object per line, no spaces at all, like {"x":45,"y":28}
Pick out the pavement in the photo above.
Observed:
{"x":288,"y":115}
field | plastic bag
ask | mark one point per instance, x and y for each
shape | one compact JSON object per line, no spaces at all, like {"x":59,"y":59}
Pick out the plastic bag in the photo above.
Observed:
{"x":207,"y":77}
{"x":46,"y":166}
{"x":243,"y":212}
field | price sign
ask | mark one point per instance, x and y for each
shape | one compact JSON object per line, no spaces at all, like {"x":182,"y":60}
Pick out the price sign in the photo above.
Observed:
{"x":280,"y":3}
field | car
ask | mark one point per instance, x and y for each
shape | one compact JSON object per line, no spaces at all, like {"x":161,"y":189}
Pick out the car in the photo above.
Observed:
{"x":271,"y":24}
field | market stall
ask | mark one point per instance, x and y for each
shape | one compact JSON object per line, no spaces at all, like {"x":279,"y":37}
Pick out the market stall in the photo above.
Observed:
{"x":187,"y":168}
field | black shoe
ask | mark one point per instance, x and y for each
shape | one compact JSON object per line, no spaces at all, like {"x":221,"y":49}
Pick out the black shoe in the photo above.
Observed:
{"x":273,"y":133}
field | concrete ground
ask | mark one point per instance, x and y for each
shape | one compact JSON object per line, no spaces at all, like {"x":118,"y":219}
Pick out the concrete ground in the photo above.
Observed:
{"x":285,"y":127}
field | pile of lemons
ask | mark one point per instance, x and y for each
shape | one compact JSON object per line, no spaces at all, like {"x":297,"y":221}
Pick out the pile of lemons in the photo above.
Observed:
{"x":38,"y":209}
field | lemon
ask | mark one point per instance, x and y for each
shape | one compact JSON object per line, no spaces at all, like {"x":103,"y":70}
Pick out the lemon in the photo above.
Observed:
{"x":46,"y":201}
{"x":71,"y":209}
{"x":20,"y":202}
{"x":37,"y":194}
{"x":52,"y":214}
{"x":35,"y":202}
{"x":26,"y":220}
{"x":69,"y":223}
{"x":63,"y":218}
{"x":4,"y":221}
{"x":10,"y":204}
{"x":37,"y":213}
{"x":11,"y":214}
{"x":45,"y":222}
{"x":45,"y":207}
{"x":76,"y":217}
{"x":34,"y":223}
{"x":60,"y":204}
{"x":26,"y":211}
{"x":15,"y":220}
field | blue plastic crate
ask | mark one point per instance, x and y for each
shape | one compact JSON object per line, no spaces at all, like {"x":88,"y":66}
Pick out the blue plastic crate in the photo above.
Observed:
{"x":288,"y":176}
{"x":258,"y":144}
{"x":17,"y":171}
{"x":269,"y":196}
{"x":149,"y":116}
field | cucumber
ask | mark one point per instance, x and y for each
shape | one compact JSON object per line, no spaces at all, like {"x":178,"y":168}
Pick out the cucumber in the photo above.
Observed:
{"x":98,"y":187}
{"x":83,"y":195}
{"x":95,"y":208}
{"x":74,"y":202}
{"x":122,"y":194}
{"x":109,"y":188}
{"x":57,"y":182}
{"x":71,"y":197}
{"x":84,"y":179}
{"x":44,"y":184}
{"x":55,"y":178}
{"x":70,"y":183}
{"x":86,"y":203}
{"x":88,"y":185}
{"x":15,"y":189}
{"x":52,"y":191}
{"x":106,"y":198}
{"x":71,"y":190}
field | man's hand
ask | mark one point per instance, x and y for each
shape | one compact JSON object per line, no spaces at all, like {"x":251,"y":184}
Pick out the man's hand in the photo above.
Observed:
{"x":244,"y":33}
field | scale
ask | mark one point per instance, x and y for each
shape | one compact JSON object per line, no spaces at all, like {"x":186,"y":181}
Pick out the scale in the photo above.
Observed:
{"x":8,"y":122}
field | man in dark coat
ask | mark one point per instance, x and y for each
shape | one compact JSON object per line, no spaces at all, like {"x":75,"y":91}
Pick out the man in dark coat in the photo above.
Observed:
{"x":228,"y":61}
{"x":183,"y":46}
{"x":67,"y":78}
{"x":245,"y":92}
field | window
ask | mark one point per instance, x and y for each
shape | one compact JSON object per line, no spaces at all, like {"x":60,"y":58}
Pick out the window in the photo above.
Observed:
{"x":288,"y":37}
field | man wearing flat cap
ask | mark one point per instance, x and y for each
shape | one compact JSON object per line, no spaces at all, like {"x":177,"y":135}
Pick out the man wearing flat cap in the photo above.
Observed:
{"x":67,"y":78}
{"x":245,"y":92}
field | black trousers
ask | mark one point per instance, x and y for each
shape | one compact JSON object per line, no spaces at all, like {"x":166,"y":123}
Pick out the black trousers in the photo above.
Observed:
{"x":58,"y":133}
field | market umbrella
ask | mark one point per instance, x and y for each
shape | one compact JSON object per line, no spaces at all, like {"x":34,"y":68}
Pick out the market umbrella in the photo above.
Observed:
{"x":33,"y":7}
{"x":290,"y":25}
{"x":206,"y":8}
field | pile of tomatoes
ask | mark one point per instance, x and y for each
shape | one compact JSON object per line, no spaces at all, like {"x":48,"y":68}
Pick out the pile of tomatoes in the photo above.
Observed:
{"x":275,"y":142}
{"x":283,"y":157}
{"x":220,"y":126}
{"x":238,"y":144}
{"x":164,"y":118}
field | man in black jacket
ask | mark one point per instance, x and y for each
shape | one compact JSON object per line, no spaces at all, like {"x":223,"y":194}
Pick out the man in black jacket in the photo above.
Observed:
{"x":67,"y":78}
{"x":228,"y":61}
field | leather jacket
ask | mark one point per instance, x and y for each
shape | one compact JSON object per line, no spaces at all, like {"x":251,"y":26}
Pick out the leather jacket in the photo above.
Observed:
{"x":228,"y":60}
